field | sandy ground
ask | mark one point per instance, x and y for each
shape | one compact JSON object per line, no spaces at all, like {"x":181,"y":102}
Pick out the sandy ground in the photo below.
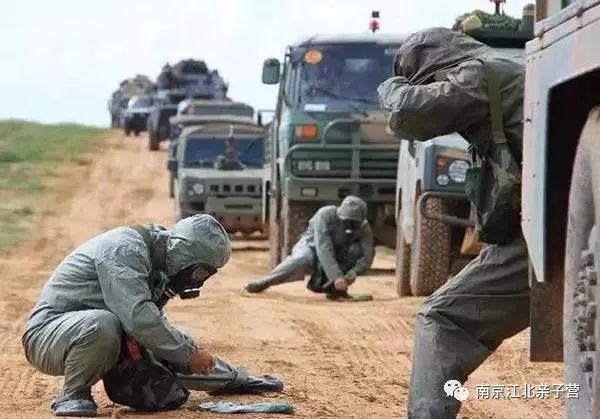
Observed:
{"x":347,"y":360}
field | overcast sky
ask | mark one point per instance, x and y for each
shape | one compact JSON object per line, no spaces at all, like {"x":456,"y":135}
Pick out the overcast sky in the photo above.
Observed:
{"x":61,"y":59}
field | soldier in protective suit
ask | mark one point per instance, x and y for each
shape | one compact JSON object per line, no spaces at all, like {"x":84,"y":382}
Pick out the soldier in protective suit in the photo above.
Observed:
{"x":447,"y":82}
{"x":114,"y":286}
{"x":336,"y":247}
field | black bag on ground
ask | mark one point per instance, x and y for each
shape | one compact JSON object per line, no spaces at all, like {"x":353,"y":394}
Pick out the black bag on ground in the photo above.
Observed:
{"x":142,"y":382}
{"x":494,"y":183}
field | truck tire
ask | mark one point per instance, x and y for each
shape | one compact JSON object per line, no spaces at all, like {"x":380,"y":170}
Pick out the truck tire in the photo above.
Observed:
{"x":153,"y":142}
{"x":582,"y":259}
{"x":430,"y":251}
{"x":274,"y":233}
{"x":402,"y":263}
{"x":294,"y":221}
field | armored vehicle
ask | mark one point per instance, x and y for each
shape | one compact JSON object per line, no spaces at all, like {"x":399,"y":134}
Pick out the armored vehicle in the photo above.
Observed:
{"x":117,"y":104}
{"x":561,"y":192}
{"x":136,"y":115}
{"x":327,"y":139}
{"x":218,"y":168}
{"x":186,"y":79}
{"x":434,"y":236}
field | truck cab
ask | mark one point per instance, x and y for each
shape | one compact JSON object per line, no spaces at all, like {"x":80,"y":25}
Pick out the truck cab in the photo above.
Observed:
{"x":327,"y":138}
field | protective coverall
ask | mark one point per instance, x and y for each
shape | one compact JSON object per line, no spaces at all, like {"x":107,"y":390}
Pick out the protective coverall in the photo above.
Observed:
{"x":114,"y":283}
{"x":440,"y":87}
{"x":338,"y":243}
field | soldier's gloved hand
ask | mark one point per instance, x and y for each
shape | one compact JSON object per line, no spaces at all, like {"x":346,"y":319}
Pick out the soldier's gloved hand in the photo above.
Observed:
{"x":340,"y":284}
{"x":202,"y":362}
{"x":350,"y":276}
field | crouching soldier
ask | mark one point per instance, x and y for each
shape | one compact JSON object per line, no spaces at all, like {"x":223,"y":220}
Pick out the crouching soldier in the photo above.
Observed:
{"x":107,"y":296}
{"x":336,"y":247}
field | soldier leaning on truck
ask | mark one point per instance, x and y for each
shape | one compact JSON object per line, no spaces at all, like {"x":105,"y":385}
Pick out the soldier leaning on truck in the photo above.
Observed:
{"x":336,"y":247}
{"x":447,"y":82}
{"x":113,"y":288}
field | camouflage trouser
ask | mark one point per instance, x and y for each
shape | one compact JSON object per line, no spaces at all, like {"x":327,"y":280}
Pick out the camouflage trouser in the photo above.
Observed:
{"x":463,"y":322}
{"x":84,"y":345}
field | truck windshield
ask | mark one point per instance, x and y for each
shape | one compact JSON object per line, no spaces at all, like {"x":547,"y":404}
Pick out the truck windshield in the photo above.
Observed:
{"x":343,"y":72}
{"x":142,"y":102}
{"x":202,"y":152}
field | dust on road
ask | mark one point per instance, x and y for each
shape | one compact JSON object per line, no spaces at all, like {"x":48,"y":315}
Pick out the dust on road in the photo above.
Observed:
{"x":347,"y":360}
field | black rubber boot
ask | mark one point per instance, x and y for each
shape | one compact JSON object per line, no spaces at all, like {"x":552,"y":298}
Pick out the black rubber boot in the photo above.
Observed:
{"x":254,"y":287}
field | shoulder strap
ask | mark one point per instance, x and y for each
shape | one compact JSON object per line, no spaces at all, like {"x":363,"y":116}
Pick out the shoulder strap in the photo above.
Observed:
{"x":146,"y":236}
{"x":495,"y":98}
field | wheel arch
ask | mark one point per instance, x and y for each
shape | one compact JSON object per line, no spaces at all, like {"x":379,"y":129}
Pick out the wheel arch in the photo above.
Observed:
{"x":568,"y":106}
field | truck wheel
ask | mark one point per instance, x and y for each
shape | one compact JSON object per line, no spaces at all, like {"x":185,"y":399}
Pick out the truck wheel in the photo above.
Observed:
{"x":153,"y":143}
{"x":294,"y":220}
{"x":430,"y":251}
{"x":402,"y":263}
{"x":274,"y":233}
{"x":582,"y":258}
{"x":136,"y":132}
{"x":127,"y":130}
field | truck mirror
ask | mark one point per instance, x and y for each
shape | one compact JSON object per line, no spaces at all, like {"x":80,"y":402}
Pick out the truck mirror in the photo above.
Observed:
{"x":270,"y":71}
{"x":172,"y":165}
{"x":259,"y":120}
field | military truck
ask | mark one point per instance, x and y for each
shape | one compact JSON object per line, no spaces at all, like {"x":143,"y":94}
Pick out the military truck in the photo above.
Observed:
{"x":186,"y":79}
{"x":218,"y":169}
{"x":560,"y":192}
{"x":193,"y":112}
{"x":434,"y":236}
{"x":327,"y":139}
{"x":119,"y":100}
{"x":136,"y":114}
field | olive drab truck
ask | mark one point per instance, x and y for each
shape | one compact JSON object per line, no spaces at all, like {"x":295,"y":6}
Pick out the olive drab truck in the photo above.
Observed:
{"x":327,"y":138}
{"x":435,"y":238}
{"x":561,"y":192}
{"x":218,"y":165}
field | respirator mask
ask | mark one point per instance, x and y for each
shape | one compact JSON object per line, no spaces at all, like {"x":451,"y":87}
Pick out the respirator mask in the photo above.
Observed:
{"x":351,"y":227}
{"x":188,"y":282}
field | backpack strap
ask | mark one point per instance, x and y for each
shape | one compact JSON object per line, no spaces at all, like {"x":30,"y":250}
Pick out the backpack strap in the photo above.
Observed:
{"x":495,"y":98}
{"x":146,"y":236}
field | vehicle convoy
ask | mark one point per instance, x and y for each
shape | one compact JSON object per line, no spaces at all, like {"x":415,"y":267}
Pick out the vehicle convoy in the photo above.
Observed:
{"x":186,"y":79}
{"x":328,"y":139}
{"x":135,"y":116}
{"x":434,"y":236}
{"x":218,"y":170}
{"x":119,"y":101}
{"x":194,"y":112}
{"x":561,"y":192}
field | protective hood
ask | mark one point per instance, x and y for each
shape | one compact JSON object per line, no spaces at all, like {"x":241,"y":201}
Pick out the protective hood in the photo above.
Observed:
{"x":197,"y":239}
{"x":352,"y":208}
{"x":426,"y":52}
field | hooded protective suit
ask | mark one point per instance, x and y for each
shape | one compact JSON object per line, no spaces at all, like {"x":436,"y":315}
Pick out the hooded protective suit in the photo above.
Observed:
{"x":114,"y":283}
{"x":441,"y":86}
{"x":327,"y":249}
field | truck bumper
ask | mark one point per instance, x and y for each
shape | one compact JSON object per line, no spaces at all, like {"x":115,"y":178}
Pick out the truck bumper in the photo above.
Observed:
{"x":236,"y":214}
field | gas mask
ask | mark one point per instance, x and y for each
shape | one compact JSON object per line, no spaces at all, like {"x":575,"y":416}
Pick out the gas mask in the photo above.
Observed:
{"x":351,"y":227}
{"x":187,"y":282}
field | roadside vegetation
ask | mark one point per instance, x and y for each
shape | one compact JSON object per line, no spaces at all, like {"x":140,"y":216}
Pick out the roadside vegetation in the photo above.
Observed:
{"x":31,"y":157}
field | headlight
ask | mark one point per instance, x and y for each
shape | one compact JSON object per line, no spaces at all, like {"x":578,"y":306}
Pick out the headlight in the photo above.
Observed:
{"x":443,"y":180}
{"x":458,"y":171}
{"x":198,"y":188}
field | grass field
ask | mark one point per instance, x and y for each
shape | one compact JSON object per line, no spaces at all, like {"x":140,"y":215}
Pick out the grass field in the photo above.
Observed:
{"x":31,"y":156}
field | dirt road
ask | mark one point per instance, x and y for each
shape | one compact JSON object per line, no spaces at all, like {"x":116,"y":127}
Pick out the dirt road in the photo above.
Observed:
{"x":347,"y":360}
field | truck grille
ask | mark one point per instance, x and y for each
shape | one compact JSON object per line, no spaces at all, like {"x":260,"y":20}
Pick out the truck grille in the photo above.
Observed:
{"x":234,"y":189}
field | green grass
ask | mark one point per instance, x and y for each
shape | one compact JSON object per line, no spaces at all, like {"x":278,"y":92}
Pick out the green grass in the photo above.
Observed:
{"x":30,"y":155}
